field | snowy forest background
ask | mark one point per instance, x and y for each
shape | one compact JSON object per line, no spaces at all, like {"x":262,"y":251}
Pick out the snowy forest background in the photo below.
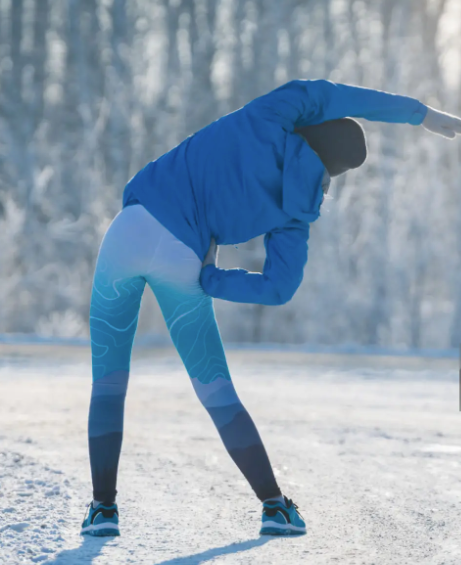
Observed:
{"x":91,"y":90}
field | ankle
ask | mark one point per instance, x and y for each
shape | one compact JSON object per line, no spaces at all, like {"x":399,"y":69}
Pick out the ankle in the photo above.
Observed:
{"x":279,"y":498}
{"x":104,"y":502}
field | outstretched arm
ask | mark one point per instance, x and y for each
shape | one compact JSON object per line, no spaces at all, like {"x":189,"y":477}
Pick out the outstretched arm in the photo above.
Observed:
{"x":286,"y":256}
{"x":308,"y":102}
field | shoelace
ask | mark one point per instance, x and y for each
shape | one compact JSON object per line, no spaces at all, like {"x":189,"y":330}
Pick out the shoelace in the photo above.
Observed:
{"x":87,"y":511}
{"x":295,"y":506}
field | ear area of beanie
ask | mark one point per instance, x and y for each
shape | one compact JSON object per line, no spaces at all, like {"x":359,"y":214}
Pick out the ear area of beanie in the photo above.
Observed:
{"x":359,"y":141}
{"x":340,"y":144}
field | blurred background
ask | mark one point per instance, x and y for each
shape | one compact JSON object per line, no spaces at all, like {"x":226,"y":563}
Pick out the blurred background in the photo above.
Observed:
{"x":91,"y":90}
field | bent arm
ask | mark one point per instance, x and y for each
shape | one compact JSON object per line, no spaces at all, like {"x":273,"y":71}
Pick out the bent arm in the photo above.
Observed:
{"x":308,"y":102}
{"x":286,"y":256}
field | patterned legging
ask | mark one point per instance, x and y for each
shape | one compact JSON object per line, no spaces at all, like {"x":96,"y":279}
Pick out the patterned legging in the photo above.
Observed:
{"x":138,"y":249}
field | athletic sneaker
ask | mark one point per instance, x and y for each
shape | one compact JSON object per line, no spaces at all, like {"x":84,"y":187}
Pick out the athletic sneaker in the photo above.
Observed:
{"x":101,"y":521}
{"x":282,"y":519}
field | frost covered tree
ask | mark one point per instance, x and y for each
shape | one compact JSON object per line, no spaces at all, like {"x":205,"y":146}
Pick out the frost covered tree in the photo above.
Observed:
{"x":91,"y":90}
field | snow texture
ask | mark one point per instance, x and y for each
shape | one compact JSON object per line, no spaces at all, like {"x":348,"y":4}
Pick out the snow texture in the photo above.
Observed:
{"x":369,"y":448}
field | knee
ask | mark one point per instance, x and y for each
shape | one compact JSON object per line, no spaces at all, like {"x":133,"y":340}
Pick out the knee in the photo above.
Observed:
{"x":216,"y":394}
{"x":112,"y":384}
{"x":107,"y":404}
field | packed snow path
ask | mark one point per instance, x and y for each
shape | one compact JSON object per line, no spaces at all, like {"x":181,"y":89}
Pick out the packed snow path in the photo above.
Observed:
{"x":369,"y":448}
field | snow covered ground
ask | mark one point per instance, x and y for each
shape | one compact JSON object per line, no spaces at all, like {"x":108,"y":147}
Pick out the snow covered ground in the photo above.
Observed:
{"x":370,"y":449}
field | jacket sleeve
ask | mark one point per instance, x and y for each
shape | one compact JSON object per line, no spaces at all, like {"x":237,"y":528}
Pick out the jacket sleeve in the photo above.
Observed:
{"x":286,"y":256}
{"x":308,"y":102}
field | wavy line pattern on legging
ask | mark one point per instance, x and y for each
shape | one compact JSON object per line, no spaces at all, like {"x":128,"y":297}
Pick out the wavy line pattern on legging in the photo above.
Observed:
{"x":113,"y":321}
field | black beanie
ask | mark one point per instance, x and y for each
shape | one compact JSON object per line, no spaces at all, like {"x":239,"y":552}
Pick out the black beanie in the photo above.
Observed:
{"x":340,"y":144}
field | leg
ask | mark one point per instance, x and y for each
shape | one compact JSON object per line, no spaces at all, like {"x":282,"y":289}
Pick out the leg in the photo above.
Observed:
{"x":115,"y":303}
{"x":190,"y":318}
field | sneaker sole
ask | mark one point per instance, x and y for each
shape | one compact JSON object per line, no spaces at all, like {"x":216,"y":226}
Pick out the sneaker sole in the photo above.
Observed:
{"x":274,"y":529}
{"x":101,"y":530}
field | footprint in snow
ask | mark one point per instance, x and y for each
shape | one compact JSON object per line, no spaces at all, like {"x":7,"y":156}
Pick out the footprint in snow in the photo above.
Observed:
{"x":18,"y":527}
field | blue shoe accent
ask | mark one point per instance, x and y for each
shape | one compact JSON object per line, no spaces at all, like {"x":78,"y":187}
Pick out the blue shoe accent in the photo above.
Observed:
{"x":101,"y":521}
{"x":282,"y":519}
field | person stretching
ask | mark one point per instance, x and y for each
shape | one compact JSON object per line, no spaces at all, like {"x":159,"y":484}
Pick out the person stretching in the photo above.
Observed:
{"x":263,"y":169}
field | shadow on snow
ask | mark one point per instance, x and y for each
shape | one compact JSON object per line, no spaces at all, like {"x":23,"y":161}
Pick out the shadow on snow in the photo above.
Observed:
{"x":91,"y":547}
{"x":210,"y":554}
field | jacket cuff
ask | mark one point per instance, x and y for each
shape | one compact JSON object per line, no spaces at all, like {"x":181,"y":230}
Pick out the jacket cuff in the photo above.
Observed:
{"x":206,"y":276}
{"x":419,"y":115}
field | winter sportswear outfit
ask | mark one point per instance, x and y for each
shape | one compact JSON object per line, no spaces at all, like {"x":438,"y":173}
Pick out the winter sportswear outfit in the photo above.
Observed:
{"x":244,"y":175}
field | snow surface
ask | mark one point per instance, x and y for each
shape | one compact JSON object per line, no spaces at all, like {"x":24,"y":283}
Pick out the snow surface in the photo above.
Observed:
{"x":368,"y":447}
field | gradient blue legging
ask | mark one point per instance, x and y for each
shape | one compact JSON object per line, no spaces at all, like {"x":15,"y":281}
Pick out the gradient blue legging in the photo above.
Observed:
{"x":138,"y":249}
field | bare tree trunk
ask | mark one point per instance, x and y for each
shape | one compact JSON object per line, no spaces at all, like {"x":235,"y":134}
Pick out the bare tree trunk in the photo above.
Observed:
{"x":200,"y":104}
{"x":118,"y":132}
{"x":378,"y":319}
{"x":39,"y":59}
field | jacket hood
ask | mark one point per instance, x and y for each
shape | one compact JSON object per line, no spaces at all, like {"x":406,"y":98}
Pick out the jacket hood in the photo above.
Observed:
{"x":302,"y":180}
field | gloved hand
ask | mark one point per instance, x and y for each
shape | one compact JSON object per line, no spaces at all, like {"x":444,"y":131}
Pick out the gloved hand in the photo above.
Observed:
{"x":212,"y":255}
{"x":441,"y":123}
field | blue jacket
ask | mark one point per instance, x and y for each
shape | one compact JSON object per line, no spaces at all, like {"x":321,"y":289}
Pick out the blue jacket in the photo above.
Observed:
{"x":248,"y":174}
